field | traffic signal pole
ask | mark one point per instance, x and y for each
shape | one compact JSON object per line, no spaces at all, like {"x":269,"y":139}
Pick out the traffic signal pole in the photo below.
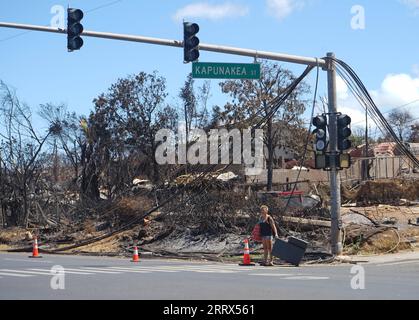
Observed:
{"x":327,"y":64}
{"x":335,"y":192}
{"x":179,"y":44}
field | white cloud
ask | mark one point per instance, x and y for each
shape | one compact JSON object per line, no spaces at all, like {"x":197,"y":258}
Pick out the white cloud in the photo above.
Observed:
{"x":412,"y":4}
{"x":283,"y":8}
{"x":357,"y":115}
{"x":347,"y":103}
{"x":396,"y":90}
{"x":342,"y":89}
{"x":205,"y":10}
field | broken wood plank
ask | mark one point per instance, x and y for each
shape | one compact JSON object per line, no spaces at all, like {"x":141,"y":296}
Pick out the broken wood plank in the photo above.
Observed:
{"x":307,"y":222}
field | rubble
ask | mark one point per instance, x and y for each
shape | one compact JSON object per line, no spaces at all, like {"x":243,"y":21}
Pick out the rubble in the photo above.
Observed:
{"x":395,"y":191}
{"x":214,"y":222}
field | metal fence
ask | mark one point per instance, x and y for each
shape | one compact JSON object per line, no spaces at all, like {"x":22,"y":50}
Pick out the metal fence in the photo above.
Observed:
{"x":379,"y":168}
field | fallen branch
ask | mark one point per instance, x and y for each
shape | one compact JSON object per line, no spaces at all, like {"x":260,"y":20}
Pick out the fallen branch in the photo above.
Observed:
{"x":306,"y":222}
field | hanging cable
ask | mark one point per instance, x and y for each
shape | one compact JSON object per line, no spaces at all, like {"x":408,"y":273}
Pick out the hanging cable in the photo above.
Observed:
{"x":306,"y":145}
{"x":364,"y":98}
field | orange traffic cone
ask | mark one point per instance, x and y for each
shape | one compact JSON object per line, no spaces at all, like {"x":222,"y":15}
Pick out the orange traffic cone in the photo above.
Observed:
{"x":246,"y":257}
{"x":135,"y":257}
{"x":35,"y":253}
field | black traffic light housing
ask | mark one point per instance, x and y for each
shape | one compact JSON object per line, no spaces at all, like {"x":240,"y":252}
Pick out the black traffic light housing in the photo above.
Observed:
{"x":74,"y":29}
{"x":320,"y":122}
{"x":190,"y":42}
{"x":344,"y":132}
{"x":323,"y":161}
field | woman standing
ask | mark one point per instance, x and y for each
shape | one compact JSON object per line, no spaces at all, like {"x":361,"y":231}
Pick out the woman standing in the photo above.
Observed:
{"x":267,"y":231}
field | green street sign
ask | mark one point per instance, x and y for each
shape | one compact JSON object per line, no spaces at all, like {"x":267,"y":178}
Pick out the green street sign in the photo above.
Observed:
{"x":206,"y":70}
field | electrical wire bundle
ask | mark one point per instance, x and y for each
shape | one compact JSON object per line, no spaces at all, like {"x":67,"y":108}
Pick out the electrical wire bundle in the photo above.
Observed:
{"x":362,"y":95}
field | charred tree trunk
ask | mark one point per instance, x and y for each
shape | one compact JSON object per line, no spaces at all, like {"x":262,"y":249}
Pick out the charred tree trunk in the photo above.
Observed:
{"x":90,"y":180}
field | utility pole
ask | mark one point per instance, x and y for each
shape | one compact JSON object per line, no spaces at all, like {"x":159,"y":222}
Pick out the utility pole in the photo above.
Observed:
{"x":336,"y":235}
{"x":366,"y":175}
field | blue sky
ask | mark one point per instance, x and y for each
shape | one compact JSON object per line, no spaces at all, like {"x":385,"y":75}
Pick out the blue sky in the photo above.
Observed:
{"x":38,"y":66}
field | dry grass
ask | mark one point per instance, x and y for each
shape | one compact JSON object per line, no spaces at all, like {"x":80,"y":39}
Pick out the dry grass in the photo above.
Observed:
{"x":89,"y":226}
{"x":129,"y":208}
{"x":384,"y":191}
{"x":111,"y":245}
{"x":4,"y":247}
{"x":114,"y":244}
{"x":8,"y":236}
{"x":380,"y":212}
{"x":385,"y":242}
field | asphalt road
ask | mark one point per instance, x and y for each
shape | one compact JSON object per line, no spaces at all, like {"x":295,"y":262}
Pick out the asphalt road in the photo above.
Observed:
{"x":109,"y":278}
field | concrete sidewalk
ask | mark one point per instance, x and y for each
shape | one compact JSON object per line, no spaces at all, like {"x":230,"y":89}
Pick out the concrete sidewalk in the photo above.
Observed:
{"x":379,"y":259}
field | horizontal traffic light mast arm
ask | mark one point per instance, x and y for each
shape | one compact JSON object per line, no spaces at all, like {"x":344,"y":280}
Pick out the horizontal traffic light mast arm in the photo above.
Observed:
{"x":179,"y":44}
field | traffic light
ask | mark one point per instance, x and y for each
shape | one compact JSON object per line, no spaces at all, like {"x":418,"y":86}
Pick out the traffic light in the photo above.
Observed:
{"x":344,"y":132}
{"x":190,"y":42}
{"x":320,"y":122}
{"x":324,"y":161}
{"x":74,"y":29}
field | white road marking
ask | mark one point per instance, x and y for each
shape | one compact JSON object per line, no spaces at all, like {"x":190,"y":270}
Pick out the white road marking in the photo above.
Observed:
{"x":69,"y":272}
{"x":306,"y":278}
{"x":149,"y":269}
{"x":271,"y":274}
{"x":95,"y":270}
{"x":28,"y":260}
{"x":398,"y":263}
{"x":228,"y":266}
{"x":128,"y":270}
{"x":243,"y":268}
{"x":46,"y":273}
{"x":15,"y":275}
{"x":196,"y":269}
{"x":191,"y":269}
{"x":216,"y":268}
{"x":211,"y":270}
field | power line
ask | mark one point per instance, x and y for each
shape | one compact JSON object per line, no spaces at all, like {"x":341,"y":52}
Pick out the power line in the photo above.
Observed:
{"x":393,"y":109}
{"x":15,"y":36}
{"x":88,"y":11}
{"x":104,"y":6}
{"x":307,"y":142}
{"x":405,"y":105}
{"x":364,"y":98}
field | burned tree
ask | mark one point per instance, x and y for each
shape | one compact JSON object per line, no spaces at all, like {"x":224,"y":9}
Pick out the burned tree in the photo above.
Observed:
{"x":121,"y":134}
{"x":248,"y":97}
{"x":20,"y":149}
{"x":67,"y":135}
